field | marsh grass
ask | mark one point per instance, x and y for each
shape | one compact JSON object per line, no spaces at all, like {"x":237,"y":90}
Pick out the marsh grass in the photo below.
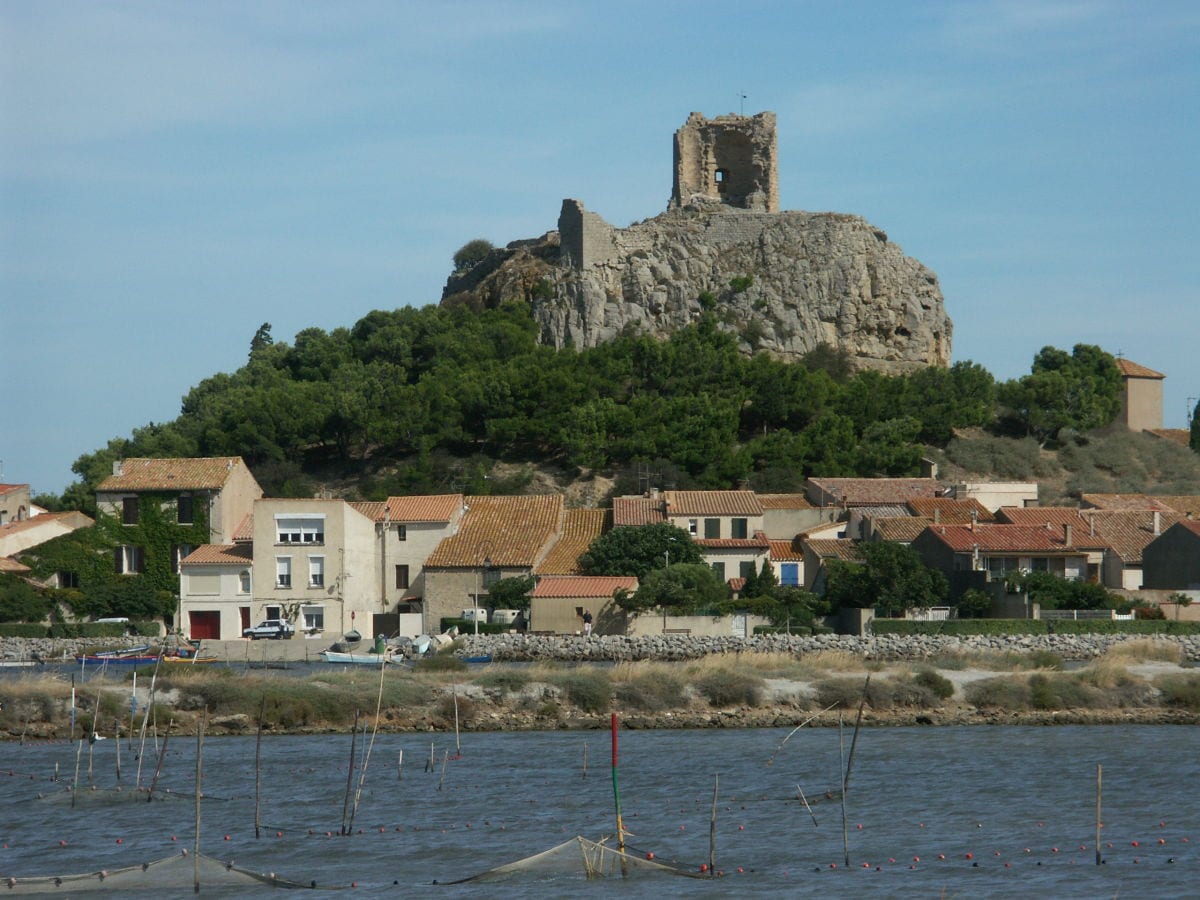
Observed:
{"x":996,"y":660}
{"x":1179,"y":691}
{"x":1144,"y":650}
{"x":509,"y":680}
{"x":652,"y":692}
{"x":730,"y":687}
{"x":904,"y":690}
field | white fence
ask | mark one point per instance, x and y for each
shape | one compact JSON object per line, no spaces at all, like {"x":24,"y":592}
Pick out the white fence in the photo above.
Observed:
{"x":1085,"y":614}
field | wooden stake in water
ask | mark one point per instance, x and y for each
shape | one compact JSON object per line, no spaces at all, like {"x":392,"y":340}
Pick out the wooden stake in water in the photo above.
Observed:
{"x":75,"y":785}
{"x":712,"y":832}
{"x":585,"y":760}
{"x":400,"y":766}
{"x":132,"y":709}
{"x":617,"y":796}
{"x":117,"y":740}
{"x":92,"y":736}
{"x":804,"y":800}
{"x":349,"y":775}
{"x":457,"y":741}
{"x":445,"y":759}
{"x":1099,"y":785}
{"x":72,"y":706}
{"x":842,"y":759}
{"x":161,"y":756}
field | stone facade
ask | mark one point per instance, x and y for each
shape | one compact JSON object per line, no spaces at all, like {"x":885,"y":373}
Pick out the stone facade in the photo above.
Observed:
{"x":730,"y":159}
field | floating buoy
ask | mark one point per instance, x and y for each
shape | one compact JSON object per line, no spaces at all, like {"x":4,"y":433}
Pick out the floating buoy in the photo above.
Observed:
{"x":173,"y":837}
{"x":833,"y":865}
{"x":1135,"y":843}
{"x":226,"y":837}
{"x":970,"y":856}
{"x":741,"y":828}
{"x":120,"y":841}
{"x":859,"y":826}
{"x":649,"y":854}
{"x":941,"y":856}
{"x":916,"y":859}
{"x":740,"y":870}
{"x":703,"y":867}
{"x":62,"y":843}
{"x":1053,"y":849}
{"x":1162,"y":840}
{"x":279,"y":834}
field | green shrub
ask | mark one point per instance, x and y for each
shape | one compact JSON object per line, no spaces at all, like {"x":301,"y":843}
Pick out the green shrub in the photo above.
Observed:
{"x":23,"y":630}
{"x":651,"y":693}
{"x":1180,"y":691}
{"x":588,"y":689}
{"x":707,"y":299}
{"x":740,"y":283}
{"x":938,"y":685}
{"x":1005,"y":693}
{"x":467,"y":626}
{"x":440,"y":662}
{"x":726,"y":687}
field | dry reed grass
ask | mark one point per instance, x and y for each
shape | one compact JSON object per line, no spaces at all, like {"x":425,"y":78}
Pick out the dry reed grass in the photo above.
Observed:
{"x":1145,"y":650}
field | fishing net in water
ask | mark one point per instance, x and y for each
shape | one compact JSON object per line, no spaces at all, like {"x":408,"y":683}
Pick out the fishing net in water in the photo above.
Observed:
{"x":581,"y":856}
{"x":173,"y":875}
{"x":103,"y":796}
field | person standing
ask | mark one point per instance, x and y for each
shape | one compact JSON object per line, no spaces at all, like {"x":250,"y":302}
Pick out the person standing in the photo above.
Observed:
{"x":587,"y":623}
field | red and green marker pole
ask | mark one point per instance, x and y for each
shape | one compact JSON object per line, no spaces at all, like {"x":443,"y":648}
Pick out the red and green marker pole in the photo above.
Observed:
{"x":616,"y":788}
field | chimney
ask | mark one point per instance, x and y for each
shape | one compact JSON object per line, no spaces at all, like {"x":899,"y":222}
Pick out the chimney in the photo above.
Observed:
{"x":118,"y":467}
{"x":1067,"y":535}
{"x":937,"y":515}
{"x":1157,"y":522}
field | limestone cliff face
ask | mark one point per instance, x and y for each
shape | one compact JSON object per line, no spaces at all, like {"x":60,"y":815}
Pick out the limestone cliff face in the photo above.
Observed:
{"x":783,"y":282}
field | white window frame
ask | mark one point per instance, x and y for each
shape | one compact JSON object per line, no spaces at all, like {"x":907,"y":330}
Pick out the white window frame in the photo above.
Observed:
{"x":313,"y":618}
{"x":316,"y":571}
{"x":244,"y":585}
{"x":283,"y":572}
{"x":303,"y":528}
{"x":693,"y":527}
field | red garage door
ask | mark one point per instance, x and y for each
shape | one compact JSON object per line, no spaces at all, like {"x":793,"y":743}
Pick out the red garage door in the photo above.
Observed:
{"x":205,"y":625}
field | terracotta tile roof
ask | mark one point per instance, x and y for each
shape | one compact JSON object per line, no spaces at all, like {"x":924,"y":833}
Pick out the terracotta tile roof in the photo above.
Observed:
{"x":784,"y":501}
{"x":595,"y":586}
{"x":11,"y":566}
{"x":638,"y":511}
{"x":1130,"y":369}
{"x":580,"y":528}
{"x":1128,"y":531}
{"x":245,"y":529}
{"x":901,"y":530}
{"x":736,"y":584}
{"x":1127,"y":501}
{"x":415,"y":508}
{"x":819,"y":528}
{"x":835,"y":548}
{"x":511,"y":531}
{"x":881,"y":512}
{"x":785,"y":551}
{"x":1013,"y":539}
{"x":876,"y":491}
{"x":219,"y":555}
{"x":1040,"y":515}
{"x":949,"y":511}
{"x":70,"y":519}
{"x":1191,"y":525}
{"x":9,"y":488}
{"x":1181,"y":503}
{"x":207,"y":473}
{"x":1180,"y":436}
{"x":712,"y":503}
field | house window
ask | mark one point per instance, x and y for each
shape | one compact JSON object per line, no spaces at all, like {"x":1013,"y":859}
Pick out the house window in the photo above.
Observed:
{"x":283,"y":571}
{"x":740,"y":528}
{"x":204,"y":583}
{"x":68,"y":579}
{"x":183,"y":508}
{"x":712,"y":528}
{"x":274,"y":612}
{"x":997,"y":566}
{"x":179,"y":554}
{"x":244,"y":581}
{"x":746,"y":569}
{"x":300,"y":529}
{"x":1039,"y":564}
{"x":402,"y":532}
{"x":491,"y":574}
{"x":316,"y":571}
{"x":129,"y":511}
{"x":402,"y":577}
{"x":719,"y":569}
{"x":789,"y":574}
{"x":129,"y":560}
{"x":313,"y":618}
{"x":693,"y":527}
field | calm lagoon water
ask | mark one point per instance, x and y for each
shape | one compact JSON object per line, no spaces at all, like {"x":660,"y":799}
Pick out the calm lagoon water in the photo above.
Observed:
{"x":1019,"y":800}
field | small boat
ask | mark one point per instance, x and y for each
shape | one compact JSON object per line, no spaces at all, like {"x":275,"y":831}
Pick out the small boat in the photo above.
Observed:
{"x":125,"y":656}
{"x":358,"y":659}
{"x":195,"y":659}
{"x":477,"y":660}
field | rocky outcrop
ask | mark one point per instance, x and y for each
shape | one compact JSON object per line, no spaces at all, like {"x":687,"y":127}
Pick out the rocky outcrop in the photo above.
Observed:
{"x":782,"y":282}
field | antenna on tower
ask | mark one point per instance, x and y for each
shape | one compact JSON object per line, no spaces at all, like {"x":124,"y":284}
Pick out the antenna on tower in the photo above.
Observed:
{"x":741,"y":103}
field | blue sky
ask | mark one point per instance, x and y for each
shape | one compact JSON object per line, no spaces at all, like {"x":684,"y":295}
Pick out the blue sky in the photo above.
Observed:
{"x":172,"y":175}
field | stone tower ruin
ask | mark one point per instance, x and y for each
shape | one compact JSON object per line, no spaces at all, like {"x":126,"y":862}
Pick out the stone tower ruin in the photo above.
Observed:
{"x":730,"y":159}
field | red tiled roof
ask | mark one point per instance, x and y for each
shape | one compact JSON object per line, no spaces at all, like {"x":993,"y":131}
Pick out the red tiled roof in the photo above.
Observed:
{"x":1130,"y":369}
{"x":207,"y":473}
{"x":596,"y":586}
{"x":580,"y":528}
{"x":758,"y":542}
{"x":712,"y":503}
{"x":951,"y":512}
{"x":1128,"y":531}
{"x":785,"y":551}
{"x":219,"y":555}
{"x":9,"y":488}
{"x":736,"y":584}
{"x":638,"y":511}
{"x":1012,"y":539}
{"x":784,"y":501}
{"x":1040,"y":515}
{"x":510,"y":531}
{"x":876,"y":491}
{"x":70,"y":519}
{"x":1122,"y":501}
{"x":835,"y":548}
{"x":902,"y":530}
{"x":1180,"y":436}
{"x":414,"y":508}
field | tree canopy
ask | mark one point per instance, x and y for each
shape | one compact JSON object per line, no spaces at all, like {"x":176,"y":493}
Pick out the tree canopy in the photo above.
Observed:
{"x":680,"y":589}
{"x":1080,"y":390}
{"x":638,"y":550}
{"x":890,"y":579}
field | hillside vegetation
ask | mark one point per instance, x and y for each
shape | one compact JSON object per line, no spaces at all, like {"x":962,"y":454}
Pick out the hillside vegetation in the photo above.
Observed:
{"x":434,"y":399}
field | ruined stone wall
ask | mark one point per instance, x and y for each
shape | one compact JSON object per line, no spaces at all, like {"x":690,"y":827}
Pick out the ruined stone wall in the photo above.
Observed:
{"x":730,"y":159}
{"x":585,"y":238}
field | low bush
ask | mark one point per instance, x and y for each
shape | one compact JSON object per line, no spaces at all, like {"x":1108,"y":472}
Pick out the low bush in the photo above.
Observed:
{"x":1180,"y":691}
{"x":23,"y":630}
{"x":726,"y":687}
{"x":588,"y":689}
{"x":651,"y":692}
{"x":510,"y":680}
{"x":938,"y":685}
{"x":1006,"y":692}
{"x":467,"y":626}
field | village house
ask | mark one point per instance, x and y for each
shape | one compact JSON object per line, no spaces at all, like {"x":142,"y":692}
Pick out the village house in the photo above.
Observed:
{"x":558,"y":603}
{"x":1172,"y":560}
